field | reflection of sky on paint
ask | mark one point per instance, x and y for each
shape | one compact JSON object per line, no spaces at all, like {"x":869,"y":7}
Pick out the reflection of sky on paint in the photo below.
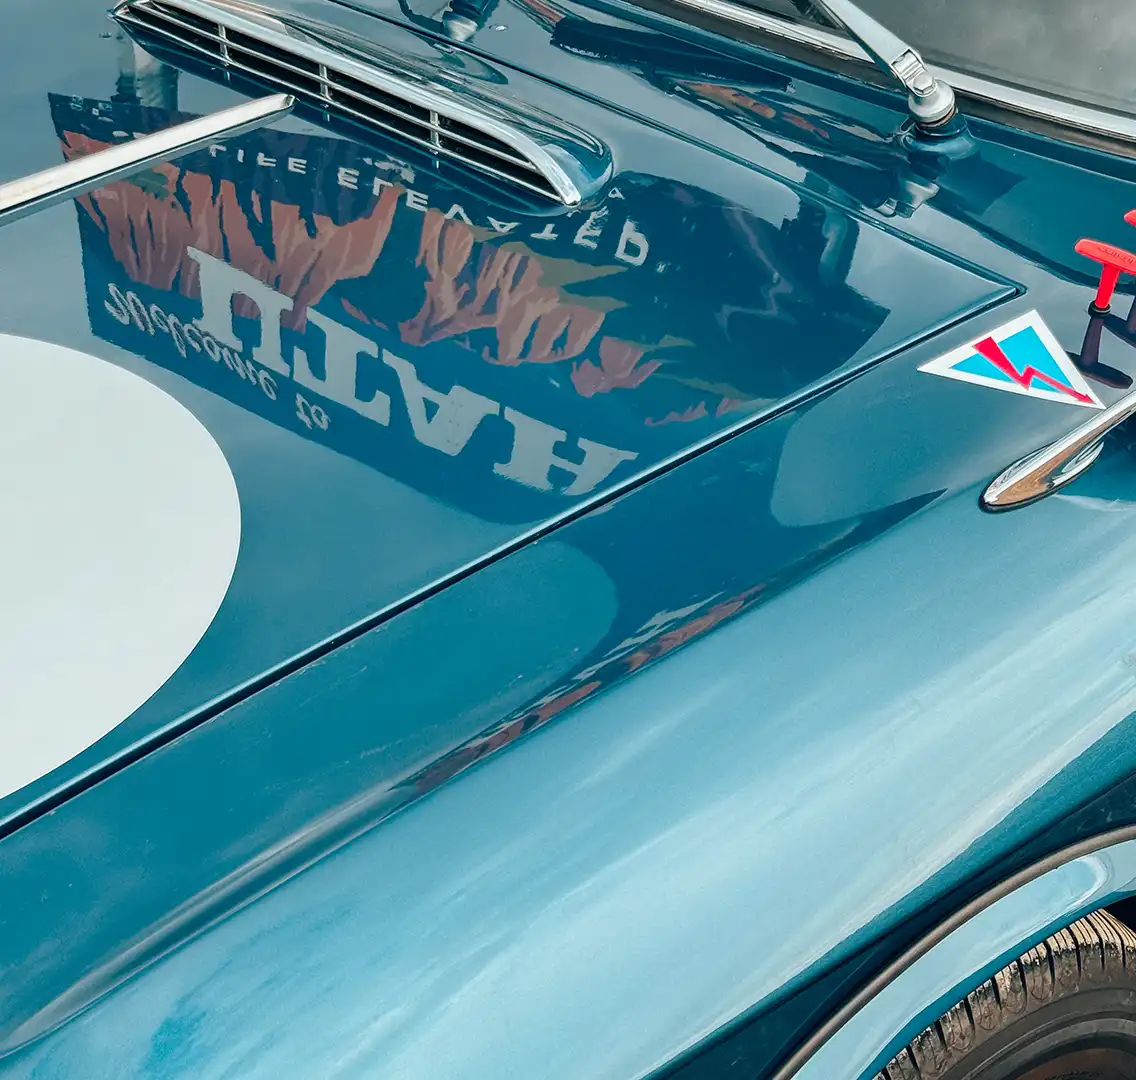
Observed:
{"x":609,"y":891}
{"x":872,"y":272}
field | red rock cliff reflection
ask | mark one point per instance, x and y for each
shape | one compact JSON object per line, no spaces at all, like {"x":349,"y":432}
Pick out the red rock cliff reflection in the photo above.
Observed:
{"x":471,"y":285}
{"x":149,"y":230}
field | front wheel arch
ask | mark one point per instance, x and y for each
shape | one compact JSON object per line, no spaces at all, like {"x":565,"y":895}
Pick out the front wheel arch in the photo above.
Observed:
{"x":936,"y":972}
{"x":1064,"y":1008}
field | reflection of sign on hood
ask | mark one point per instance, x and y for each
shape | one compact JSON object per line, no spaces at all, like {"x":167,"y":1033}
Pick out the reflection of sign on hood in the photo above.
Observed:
{"x":505,"y":363}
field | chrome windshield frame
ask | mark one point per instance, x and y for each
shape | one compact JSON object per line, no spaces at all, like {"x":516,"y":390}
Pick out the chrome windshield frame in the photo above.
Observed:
{"x":1059,"y":111}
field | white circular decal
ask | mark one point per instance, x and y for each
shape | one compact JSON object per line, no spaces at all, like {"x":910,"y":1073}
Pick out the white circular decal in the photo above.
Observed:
{"x":119,"y":529}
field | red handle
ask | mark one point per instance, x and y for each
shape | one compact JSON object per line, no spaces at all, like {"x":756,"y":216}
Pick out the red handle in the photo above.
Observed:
{"x":1114,"y":261}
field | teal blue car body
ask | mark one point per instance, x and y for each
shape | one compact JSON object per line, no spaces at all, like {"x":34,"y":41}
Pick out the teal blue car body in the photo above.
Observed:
{"x":619,"y":675}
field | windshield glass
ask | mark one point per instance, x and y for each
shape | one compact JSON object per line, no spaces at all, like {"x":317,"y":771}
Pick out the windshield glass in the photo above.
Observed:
{"x":1084,"y":51}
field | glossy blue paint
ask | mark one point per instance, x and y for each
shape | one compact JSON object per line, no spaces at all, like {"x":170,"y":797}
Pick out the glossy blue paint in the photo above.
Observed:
{"x":603,"y":876}
{"x":606,"y":338}
{"x":625,"y":883}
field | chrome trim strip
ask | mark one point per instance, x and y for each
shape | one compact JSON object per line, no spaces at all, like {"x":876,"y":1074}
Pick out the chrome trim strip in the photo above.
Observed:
{"x":814,"y":37}
{"x":1057,"y":110}
{"x":1067,"y":113}
{"x":80,"y":175}
{"x":1053,"y":466}
{"x":259,"y":24}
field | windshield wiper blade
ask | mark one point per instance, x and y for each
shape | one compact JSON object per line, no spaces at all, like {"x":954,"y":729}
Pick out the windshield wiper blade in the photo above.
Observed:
{"x":930,"y":101}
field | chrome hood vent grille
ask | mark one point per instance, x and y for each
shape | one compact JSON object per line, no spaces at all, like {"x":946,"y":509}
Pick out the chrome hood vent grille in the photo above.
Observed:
{"x":247,"y":39}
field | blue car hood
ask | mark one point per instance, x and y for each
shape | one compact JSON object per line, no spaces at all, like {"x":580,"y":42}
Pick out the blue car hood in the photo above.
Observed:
{"x":507,"y":368}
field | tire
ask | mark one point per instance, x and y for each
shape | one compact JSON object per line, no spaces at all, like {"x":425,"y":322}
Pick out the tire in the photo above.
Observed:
{"x":1065,"y":1010}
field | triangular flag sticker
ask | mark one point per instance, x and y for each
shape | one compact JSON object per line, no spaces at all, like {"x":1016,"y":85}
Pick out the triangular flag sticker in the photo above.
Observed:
{"x":1021,"y":356}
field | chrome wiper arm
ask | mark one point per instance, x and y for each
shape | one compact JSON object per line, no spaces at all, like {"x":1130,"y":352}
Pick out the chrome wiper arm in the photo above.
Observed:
{"x":931,"y":101}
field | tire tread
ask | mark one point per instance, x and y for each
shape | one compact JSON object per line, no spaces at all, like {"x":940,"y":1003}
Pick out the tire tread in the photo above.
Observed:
{"x":1086,"y":953}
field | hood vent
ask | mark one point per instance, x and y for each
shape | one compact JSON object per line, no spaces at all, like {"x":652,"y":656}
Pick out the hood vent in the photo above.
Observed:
{"x":245,"y":38}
